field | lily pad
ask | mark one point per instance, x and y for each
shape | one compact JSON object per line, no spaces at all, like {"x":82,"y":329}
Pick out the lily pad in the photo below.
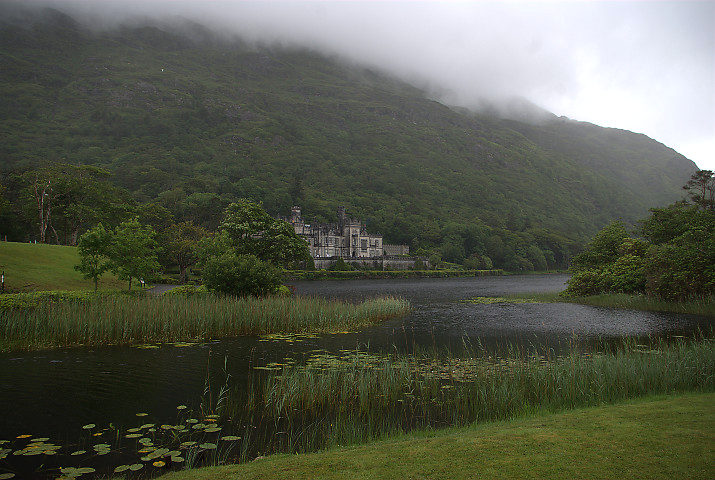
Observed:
{"x":230,"y":438}
{"x":44,"y":439}
{"x":79,"y":452}
{"x":142,"y":414}
{"x":159,"y":463}
{"x":208,"y":446}
{"x":6,"y":476}
{"x":89,"y":426}
{"x":136,"y":466}
{"x":177,"y":459}
{"x":121,"y":468}
{"x":181,"y":407}
{"x":133,"y":435}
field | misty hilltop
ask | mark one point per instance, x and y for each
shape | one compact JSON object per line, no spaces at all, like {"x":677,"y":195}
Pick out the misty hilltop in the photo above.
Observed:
{"x":188,"y":118}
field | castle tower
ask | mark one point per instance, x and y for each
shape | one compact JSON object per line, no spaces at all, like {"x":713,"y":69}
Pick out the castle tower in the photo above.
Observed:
{"x":295,"y":215}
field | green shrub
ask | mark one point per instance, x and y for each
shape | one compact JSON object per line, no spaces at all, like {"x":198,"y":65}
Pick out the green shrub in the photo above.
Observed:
{"x":241,"y":275}
{"x":187,"y":290}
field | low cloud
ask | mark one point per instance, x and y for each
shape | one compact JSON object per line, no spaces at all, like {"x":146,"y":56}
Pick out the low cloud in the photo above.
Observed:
{"x":643,"y":66}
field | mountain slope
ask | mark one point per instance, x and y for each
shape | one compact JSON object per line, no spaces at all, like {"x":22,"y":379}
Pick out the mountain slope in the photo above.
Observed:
{"x":194,"y":121}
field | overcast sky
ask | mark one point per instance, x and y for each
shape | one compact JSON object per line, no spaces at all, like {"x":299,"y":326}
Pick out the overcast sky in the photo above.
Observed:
{"x":645,"y":66}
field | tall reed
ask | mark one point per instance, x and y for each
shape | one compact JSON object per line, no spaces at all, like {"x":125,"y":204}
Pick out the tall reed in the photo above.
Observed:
{"x":303,"y":408}
{"x":121,"y":320}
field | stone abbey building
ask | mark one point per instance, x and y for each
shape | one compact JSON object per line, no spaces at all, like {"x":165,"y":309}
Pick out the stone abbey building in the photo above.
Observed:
{"x":348,"y":239}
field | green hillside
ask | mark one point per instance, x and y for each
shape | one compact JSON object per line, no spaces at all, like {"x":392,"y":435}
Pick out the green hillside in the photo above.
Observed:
{"x":36,"y":267}
{"x":193,"y":122}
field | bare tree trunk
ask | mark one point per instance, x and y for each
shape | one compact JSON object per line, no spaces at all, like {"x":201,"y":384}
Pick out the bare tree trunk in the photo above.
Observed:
{"x":44,"y":205}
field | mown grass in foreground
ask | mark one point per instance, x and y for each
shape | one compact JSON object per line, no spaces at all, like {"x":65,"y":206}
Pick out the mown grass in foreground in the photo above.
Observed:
{"x":304,"y":409}
{"x":122,"y":320}
{"x":654,"y":438}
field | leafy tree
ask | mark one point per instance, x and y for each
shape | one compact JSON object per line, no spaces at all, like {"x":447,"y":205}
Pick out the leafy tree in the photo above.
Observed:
{"x":241,"y":275}
{"x":93,"y":248}
{"x":180,"y":244}
{"x":603,"y":249}
{"x":685,"y":266}
{"x":252,"y":231}
{"x":665,"y":224}
{"x":701,"y":189}
{"x":133,"y":251}
{"x":67,"y":198}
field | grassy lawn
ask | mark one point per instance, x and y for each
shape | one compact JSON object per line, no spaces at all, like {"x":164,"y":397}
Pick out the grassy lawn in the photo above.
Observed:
{"x":34,"y":267}
{"x":668,"y":437}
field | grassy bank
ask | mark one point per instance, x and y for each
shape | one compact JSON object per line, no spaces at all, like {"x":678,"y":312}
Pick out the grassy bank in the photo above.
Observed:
{"x":700,"y":306}
{"x":32,"y":267}
{"x":124,"y":320}
{"x":384,"y":274}
{"x":652,"y":438}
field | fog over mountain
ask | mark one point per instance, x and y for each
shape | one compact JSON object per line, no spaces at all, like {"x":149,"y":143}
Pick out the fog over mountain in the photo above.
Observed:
{"x":644,"y":66}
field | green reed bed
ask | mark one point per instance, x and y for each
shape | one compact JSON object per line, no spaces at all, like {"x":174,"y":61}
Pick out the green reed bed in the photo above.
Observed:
{"x":307,"y":408}
{"x":696,"y":306}
{"x":120,"y":320}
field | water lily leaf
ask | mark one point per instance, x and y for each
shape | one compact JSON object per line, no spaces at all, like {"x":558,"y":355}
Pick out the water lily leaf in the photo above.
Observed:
{"x":230,"y":438}
{"x":147,"y":425}
{"x":167,"y":427}
{"x":198,"y":425}
{"x":160,"y":452}
{"x":208,"y":446}
{"x":89,"y":426}
{"x":44,"y":439}
{"x":177,"y":459}
{"x":192,"y":420}
{"x":159,"y":463}
{"x":79,"y":452}
{"x":84,"y":470}
{"x":102,"y":446}
{"x":188,"y":444}
{"x":146,"y":450}
{"x":6,"y":476}
{"x":23,"y":436}
{"x":133,"y":435}
{"x":142,"y":414}
{"x":136,"y":466}
{"x":181,"y":407}
{"x":133,"y":430}
{"x":213,"y":430}
{"x":173,"y":453}
{"x":121,"y":468}
{"x":146,"y":458}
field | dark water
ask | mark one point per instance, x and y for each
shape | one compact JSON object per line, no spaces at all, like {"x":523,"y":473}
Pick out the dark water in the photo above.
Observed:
{"x":53,"y":393}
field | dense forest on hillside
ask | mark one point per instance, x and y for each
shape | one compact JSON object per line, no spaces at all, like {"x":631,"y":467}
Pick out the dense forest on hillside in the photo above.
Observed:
{"x":178,"y":122}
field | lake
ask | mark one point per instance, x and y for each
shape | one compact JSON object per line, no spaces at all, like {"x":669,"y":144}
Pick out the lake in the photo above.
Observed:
{"x":54,"y":393}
